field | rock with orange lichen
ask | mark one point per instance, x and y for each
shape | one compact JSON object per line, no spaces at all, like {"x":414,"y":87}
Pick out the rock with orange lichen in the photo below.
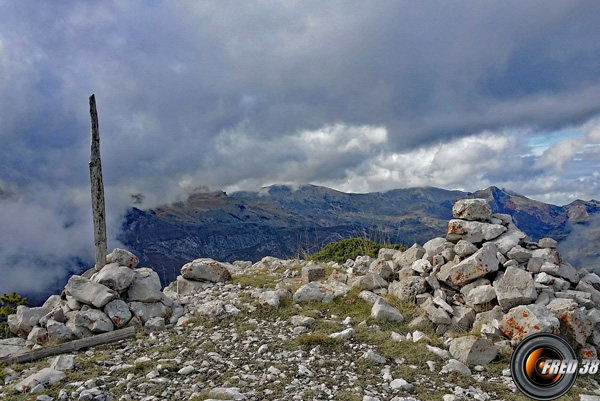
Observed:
{"x":575,"y":323}
{"x":522,"y":321}
{"x":473,"y":231}
{"x":481,"y":263}
{"x":516,"y":287}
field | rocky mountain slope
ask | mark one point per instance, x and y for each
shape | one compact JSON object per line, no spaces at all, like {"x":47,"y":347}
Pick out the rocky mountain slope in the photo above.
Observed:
{"x":284,"y":222}
{"x":434,"y":322}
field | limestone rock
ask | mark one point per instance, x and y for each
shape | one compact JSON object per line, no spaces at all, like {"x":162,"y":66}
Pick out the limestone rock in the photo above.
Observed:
{"x":481,"y":298}
{"x":472,"y":350}
{"x":407,"y":288}
{"x":154,"y":325}
{"x":206,"y":269}
{"x":525,"y":320}
{"x":519,"y":254}
{"x":511,"y":238}
{"x":147,"y":310}
{"x":145,"y":286}
{"x":383,"y":268}
{"x":464,"y":248}
{"x":88,"y":292}
{"x":479,"y":264}
{"x":472,"y":209}
{"x":11,"y":346}
{"x":435,"y":246}
{"x":473,"y":231}
{"x":320,"y":291}
{"x":454,"y":365}
{"x":421,"y":266}
{"x":115,"y":277}
{"x":25,"y":319}
{"x":273,"y":298}
{"x":409,"y":256}
{"x":118,"y":312}
{"x":38,"y":335}
{"x":516,"y":287}
{"x":382,"y":310}
{"x":369,"y":282}
{"x":122,"y":258}
{"x":575,"y":323}
{"x":547,"y":243}
{"x":45,"y":377}
{"x":63,"y":362}
{"x":58,"y":331}
{"x":94,"y":320}
{"x":182,"y":287}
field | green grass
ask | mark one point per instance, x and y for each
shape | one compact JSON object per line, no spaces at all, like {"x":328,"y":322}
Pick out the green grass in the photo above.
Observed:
{"x":350,"y":248}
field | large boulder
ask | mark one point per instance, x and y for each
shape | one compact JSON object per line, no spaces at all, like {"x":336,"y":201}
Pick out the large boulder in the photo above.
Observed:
{"x":479,"y":264}
{"x":473,"y":231}
{"x":114,"y":276}
{"x":522,"y":321}
{"x":472,"y":209}
{"x":88,"y":292}
{"x":118,"y":312}
{"x":122,"y":258}
{"x":516,"y":287}
{"x":25,"y":319}
{"x":473,"y":350}
{"x":206,"y":269}
{"x":145,"y":286}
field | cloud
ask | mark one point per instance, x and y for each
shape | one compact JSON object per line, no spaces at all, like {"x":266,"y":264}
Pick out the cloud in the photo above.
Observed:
{"x":358,"y":96}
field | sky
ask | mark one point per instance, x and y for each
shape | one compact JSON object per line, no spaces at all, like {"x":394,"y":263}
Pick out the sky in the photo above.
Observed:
{"x":356,"y":96}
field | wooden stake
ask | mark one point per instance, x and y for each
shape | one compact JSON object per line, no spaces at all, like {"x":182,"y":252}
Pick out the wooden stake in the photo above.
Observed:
{"x":71,"y":346}
{"x":97,"y":185}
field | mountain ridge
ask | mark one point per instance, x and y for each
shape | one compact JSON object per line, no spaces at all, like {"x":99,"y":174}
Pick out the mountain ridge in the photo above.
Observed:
{"x":285,"y":221}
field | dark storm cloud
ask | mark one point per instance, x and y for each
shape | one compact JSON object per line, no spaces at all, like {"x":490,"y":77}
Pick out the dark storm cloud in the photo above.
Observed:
{"x":361,"y":96}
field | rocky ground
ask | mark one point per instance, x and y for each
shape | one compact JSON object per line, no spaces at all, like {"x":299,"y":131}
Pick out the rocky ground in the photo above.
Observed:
{"x":437,"y":322}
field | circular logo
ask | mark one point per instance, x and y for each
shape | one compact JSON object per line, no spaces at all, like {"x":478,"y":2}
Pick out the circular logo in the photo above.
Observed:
{"x":542,"y":366}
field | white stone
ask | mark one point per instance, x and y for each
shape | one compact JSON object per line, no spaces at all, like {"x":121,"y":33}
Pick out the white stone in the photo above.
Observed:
{"x":118,"y":312}
{"x":464,"y":248}
{"x":344,"y":334}
{"x":122,"y":258}
{"x":472,"y":209}
{"x":45,"y":377}
{"x":94,"y":320}
{"x":115,"y":277}
{"x":400,"y":384}
{"x":472,"y":350}
{"x":382,"y":310}
{"x":145,"y":286}
{"x":454,"y":365}
{"x":206,"y":269}
{"x":58,"y":332}
{"x":473,"y":231}
{"x":482,"y":262}
{"x":516,"y":287}
{"x":88,"y":292}
{"x":525,"y":320}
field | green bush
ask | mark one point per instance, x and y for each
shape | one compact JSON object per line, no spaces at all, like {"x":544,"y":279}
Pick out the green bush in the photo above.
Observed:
{"x":349,"y":249}
{"x":9,"y":303}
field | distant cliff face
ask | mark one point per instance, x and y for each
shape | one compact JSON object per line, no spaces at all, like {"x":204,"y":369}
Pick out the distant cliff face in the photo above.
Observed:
{"x":284,"y":222}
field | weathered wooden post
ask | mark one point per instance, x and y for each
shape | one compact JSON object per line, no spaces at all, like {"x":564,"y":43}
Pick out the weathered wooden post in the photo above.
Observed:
{"x":97,"y":185}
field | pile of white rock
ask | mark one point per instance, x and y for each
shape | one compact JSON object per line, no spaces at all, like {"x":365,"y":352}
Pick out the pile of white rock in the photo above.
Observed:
{"x":116,"y":296}
{"x":488,"y":277}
